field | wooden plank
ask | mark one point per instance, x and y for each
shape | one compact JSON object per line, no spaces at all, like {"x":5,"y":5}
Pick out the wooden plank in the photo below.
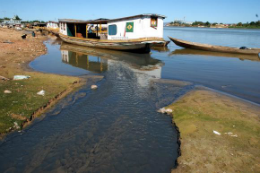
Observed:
{"x":75,"y":26}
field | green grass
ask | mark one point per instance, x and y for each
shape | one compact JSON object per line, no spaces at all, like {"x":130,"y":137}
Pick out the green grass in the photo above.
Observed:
{"x":23,"y":101}
{"x":200,"y":112}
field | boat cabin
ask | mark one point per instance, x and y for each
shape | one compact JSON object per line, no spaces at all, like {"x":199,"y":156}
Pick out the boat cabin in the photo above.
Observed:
{"x":126,"y":28}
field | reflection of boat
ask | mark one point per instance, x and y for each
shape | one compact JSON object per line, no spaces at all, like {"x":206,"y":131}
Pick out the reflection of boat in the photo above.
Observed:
{"x":143,"y":65}
{"x":93,"y":64}
{"x":207,"y":47}
{"x":160,"y":48}
{"x":142,"y":62}
{"x":133,"y":33}
{"x":207,"y":53}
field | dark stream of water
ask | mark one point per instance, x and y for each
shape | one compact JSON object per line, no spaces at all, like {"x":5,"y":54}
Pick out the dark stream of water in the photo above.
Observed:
{"x":116,"y":128}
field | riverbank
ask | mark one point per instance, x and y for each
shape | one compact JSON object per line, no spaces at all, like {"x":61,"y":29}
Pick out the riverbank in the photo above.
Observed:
{"x":19,"y":101}
{"x":217,"y":133}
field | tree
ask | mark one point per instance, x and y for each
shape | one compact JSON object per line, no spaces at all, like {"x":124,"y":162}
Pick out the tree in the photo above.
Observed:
{"x":239,"y":24}
{"x":6,"y":18}
{"x":197,"y":23}
{"x":207,"y":23}
{"x":16,"y":17}
{"x":252,"y":23}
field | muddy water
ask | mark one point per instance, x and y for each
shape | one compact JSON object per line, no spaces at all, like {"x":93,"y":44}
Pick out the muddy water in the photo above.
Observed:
{"x":112,"y":129}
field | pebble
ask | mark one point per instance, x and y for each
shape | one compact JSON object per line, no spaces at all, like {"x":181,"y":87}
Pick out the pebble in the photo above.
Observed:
{"x":16,"y":125}
{"x":41,"y":93}
{"x":216,"y":132}
{"x":7,"y":91}
{"x":165,"y":111}
{"x":94,"y":87}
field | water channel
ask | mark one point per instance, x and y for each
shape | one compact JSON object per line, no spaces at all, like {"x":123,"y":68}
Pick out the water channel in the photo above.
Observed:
{"x":116,"y":128}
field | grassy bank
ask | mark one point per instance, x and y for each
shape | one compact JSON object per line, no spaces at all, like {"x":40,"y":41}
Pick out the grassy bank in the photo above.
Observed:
{"x":23,"y":104}
{"x":237,"y":146}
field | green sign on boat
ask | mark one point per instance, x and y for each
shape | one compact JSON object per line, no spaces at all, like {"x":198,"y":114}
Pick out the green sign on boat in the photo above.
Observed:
{"x":129,"y":26}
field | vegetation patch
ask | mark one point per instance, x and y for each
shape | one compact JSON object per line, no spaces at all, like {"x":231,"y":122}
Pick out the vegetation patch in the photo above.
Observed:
{"x":217,"y":133}
{"x":19,"y":101}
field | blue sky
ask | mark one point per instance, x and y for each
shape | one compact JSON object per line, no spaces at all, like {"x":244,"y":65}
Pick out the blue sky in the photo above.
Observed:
{"x":226,"y":11}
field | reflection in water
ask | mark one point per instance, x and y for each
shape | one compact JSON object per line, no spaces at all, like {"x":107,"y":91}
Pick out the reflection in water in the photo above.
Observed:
{"x":99,"y":60}
{"x":161,"y":49}
{"x":93,"y":64}
{"x":209,"y":53}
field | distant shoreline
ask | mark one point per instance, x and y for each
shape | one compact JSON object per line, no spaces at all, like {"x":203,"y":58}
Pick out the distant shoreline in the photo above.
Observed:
{"x":216,"y":27}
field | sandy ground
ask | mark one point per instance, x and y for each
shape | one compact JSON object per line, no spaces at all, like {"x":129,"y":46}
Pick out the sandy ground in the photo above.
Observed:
{"x":22,"y":105}
{"x":19,"y":52}
{"x":218,"y":133}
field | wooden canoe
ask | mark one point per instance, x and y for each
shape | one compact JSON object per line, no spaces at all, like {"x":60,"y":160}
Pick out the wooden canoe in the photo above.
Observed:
{"x":207,"y":47}
{"x":187,"y":51}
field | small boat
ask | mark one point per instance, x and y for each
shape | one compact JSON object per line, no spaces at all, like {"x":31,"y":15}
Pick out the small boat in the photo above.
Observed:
{"x":135,"y":33}
{"x":207,"y":47}
{"x":187,"y":51}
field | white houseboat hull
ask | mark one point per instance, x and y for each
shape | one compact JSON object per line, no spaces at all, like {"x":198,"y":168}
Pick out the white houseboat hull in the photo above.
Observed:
{"x":138,"y":45}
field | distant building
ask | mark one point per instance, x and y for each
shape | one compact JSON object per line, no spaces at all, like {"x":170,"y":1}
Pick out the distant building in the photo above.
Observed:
{"x":52,"y":25}
{"x":12,"y":21}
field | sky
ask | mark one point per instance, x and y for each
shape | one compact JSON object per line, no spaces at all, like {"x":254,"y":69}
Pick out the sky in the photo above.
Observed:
{"x":225,"y":11}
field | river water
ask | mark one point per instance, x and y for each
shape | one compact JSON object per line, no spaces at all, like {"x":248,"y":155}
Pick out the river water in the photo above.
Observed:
{"x":116,"y":128}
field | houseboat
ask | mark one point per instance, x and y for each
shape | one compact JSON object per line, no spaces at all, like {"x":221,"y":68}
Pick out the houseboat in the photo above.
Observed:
{"x":135,"y":33}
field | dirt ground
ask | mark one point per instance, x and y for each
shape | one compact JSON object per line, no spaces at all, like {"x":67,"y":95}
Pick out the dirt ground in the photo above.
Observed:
{"x":23,"y":104}
{"x":218,"y":133}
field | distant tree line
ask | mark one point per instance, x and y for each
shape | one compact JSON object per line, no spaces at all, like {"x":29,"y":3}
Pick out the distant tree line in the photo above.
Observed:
{"x":33,"y":21}
{"x":257,"y":23}
{"x":200,"y":23}
{"x":16,"y":17}
{"x":253,"y":24}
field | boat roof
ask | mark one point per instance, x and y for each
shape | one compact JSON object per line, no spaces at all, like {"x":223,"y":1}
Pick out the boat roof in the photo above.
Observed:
{"x":105,"y":21}
{"x":138,"y":16}
{"x":97,"y":21}
{"x":52,"y":21}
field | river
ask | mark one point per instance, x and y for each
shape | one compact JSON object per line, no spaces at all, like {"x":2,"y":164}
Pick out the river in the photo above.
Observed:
{"x":116,"y":128}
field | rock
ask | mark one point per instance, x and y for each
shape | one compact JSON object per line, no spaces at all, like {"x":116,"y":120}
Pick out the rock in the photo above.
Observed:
{"x":216,"y":132}
{"x":41,"y":93}
{"x":165,"y":111}
{"x":2,"y":77}
{"x":7,"y":91}
{"x":16,"y":126}
{"x":94,"y":87}
{"x":162,"y":110}
{"x":169,"y":110}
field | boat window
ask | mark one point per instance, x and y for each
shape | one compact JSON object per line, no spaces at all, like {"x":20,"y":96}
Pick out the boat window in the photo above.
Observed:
{"x":112,"y":30}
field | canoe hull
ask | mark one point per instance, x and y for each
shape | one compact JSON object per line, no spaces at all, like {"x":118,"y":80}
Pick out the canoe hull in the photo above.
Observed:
{"x":207,"y":47}
{"x":135,"y":46}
